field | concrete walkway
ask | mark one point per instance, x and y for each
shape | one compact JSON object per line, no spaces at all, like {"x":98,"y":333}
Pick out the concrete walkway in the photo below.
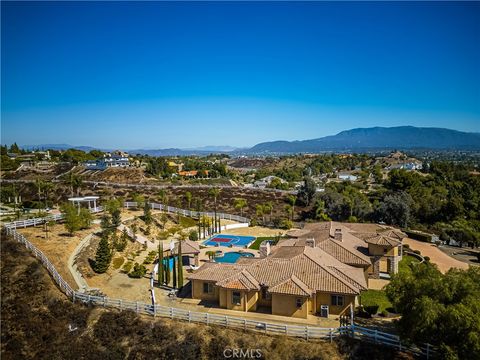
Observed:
{"x":79,"y":279}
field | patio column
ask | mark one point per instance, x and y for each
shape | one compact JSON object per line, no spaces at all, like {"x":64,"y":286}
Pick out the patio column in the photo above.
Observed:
{"x":95,"y":203}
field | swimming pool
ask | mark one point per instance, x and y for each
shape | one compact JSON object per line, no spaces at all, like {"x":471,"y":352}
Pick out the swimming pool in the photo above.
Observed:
{"x":232,"y":257}
{"x":229,"y":240}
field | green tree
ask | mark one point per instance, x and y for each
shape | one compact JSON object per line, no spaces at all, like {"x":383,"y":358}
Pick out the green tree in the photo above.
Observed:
{"x":71,"y":219}
{"x":116,"y":218}
{"x":240,"y":204}
{"x":188,"y":198}
{"x":105,"y":223}
{"x":443,"y":310}
{"x":161,"y":269}
{"x":215,"y":192}
{"x":307,"y":191}
{"x":103,"y":256}
{"x":147,"y":213}
{"x":180,"y":266}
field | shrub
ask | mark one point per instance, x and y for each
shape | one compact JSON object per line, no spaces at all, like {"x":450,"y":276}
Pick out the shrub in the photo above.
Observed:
{"x":118,"y":262}
{"x":417,"y":252}
{"x":138,"y":271}
{"x":406,"y":246}
{"x":193,"y":235}
{"x":427,"y":258}
{"x":127,"y":267}
{"x":286,"y":224}
{"x":384,"y":313}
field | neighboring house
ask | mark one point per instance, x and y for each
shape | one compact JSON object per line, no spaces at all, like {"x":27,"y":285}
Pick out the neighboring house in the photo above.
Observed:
{"x":193,"y":173}
{"x":407,"y":166}
{"x":347,"y":177}
{"x":290,"y":281}
{"x":266,"y":181}
{"x":109,"y":160}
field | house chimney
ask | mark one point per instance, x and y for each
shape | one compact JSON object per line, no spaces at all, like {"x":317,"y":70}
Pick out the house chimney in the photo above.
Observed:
{"x":310,"y":242}
{"x":264,"y":249}
{"x":338,"y":235}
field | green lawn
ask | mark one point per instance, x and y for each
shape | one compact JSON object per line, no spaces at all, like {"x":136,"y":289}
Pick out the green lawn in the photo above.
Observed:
{"x":404,"y":264}
{"x":258,"y":241}
{"x":375,"y":299}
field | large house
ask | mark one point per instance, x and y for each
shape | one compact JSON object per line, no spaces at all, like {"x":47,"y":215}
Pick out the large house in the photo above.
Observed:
{"x":321,"y":270}
{"x":115,"y":159}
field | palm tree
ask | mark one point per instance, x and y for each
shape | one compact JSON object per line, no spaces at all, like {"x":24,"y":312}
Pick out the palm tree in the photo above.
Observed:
{"x":188,"y":197}
{"x":39,"y":184}
{"x":215,"y":192}
{"x":240,"y":203}
{"x":292,"y":199}
{"x":47,"y":189}
{"x":289,"y":211}
{"x":261,"y":212}
{"x":269,"y":208}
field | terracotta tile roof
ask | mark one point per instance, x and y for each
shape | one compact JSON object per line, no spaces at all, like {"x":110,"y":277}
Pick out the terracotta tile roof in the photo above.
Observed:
{"x":242,"y":280}
{"x":345,"y":254}
{"x":188,"y":247}
{"x":385,"y":238}
{"x":291,"y":286}
{"x":313,"y":267}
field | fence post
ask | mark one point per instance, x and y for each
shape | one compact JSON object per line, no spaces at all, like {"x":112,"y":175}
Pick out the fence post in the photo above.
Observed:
{"x":428,"y":351}
{"x":376,"y":332}
{"x":244,"y":324}
{"x":306,"y":333}
{"x":331,"y":334}
{"x":286,"y":330}
{"x":189,"y":316}
{"x":171,"y":313}
{"x":104,"y":301}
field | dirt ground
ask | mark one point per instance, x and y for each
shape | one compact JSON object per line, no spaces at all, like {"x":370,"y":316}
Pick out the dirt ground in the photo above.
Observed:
{"x":58,"y":247}
{"x":255,"y":231}
{"x":438,"y":257}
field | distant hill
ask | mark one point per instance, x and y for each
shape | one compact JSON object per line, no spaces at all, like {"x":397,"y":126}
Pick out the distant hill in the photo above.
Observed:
{"x":57,"y":147}
{"x":401,"y":137}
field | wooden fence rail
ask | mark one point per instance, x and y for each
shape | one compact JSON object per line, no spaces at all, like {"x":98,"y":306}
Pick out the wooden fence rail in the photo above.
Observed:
{"x":305,"y":332}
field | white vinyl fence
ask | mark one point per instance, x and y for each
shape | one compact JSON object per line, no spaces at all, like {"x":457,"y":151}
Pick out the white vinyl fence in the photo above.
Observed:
{"x":305,"y":332}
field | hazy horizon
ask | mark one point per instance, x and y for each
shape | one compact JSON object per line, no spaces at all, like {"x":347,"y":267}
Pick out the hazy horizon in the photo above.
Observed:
{"x":156,"y":75}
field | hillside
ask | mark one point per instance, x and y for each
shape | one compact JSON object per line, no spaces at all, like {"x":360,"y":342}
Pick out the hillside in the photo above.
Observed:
{"x":36,"y":319}
{"x":401,"y":137}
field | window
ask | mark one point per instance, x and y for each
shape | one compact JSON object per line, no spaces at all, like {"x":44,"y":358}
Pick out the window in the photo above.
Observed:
{"x":236,"y":300}
{"x":299,"y":302}
{"x":337,"y":300}
{"x":207,"y":288}
{"x":385,"y":250}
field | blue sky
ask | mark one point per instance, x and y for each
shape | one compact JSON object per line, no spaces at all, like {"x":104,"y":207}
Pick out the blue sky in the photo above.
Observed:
{"x":155,"y":75}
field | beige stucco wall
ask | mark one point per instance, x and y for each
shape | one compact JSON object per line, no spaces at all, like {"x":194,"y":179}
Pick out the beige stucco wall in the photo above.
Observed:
{"x":197,"y":291}
{"x":378,"y":250}
{"x":326,"y":299}
{"x":285,"y":305}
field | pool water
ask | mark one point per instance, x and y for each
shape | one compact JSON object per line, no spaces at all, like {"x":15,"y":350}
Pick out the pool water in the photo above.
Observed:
{"x":232,"y":257}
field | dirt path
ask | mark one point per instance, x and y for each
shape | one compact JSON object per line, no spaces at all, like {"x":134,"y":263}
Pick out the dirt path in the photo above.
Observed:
{"x":438,"y":257}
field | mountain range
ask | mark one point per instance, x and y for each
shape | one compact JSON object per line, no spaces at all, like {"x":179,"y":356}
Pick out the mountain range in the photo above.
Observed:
{"x":354,"y":140}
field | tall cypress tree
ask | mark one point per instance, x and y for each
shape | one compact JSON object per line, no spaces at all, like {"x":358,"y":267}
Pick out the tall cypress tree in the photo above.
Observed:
{"x":160,"y":264}
{"x":103,"y":255}
{"x":174,"y":270}
{"x":167,"y":272}
{"x":180,"y":267}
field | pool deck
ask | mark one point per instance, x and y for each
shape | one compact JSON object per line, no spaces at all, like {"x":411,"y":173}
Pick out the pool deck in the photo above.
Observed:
{"x":203,"y":257}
